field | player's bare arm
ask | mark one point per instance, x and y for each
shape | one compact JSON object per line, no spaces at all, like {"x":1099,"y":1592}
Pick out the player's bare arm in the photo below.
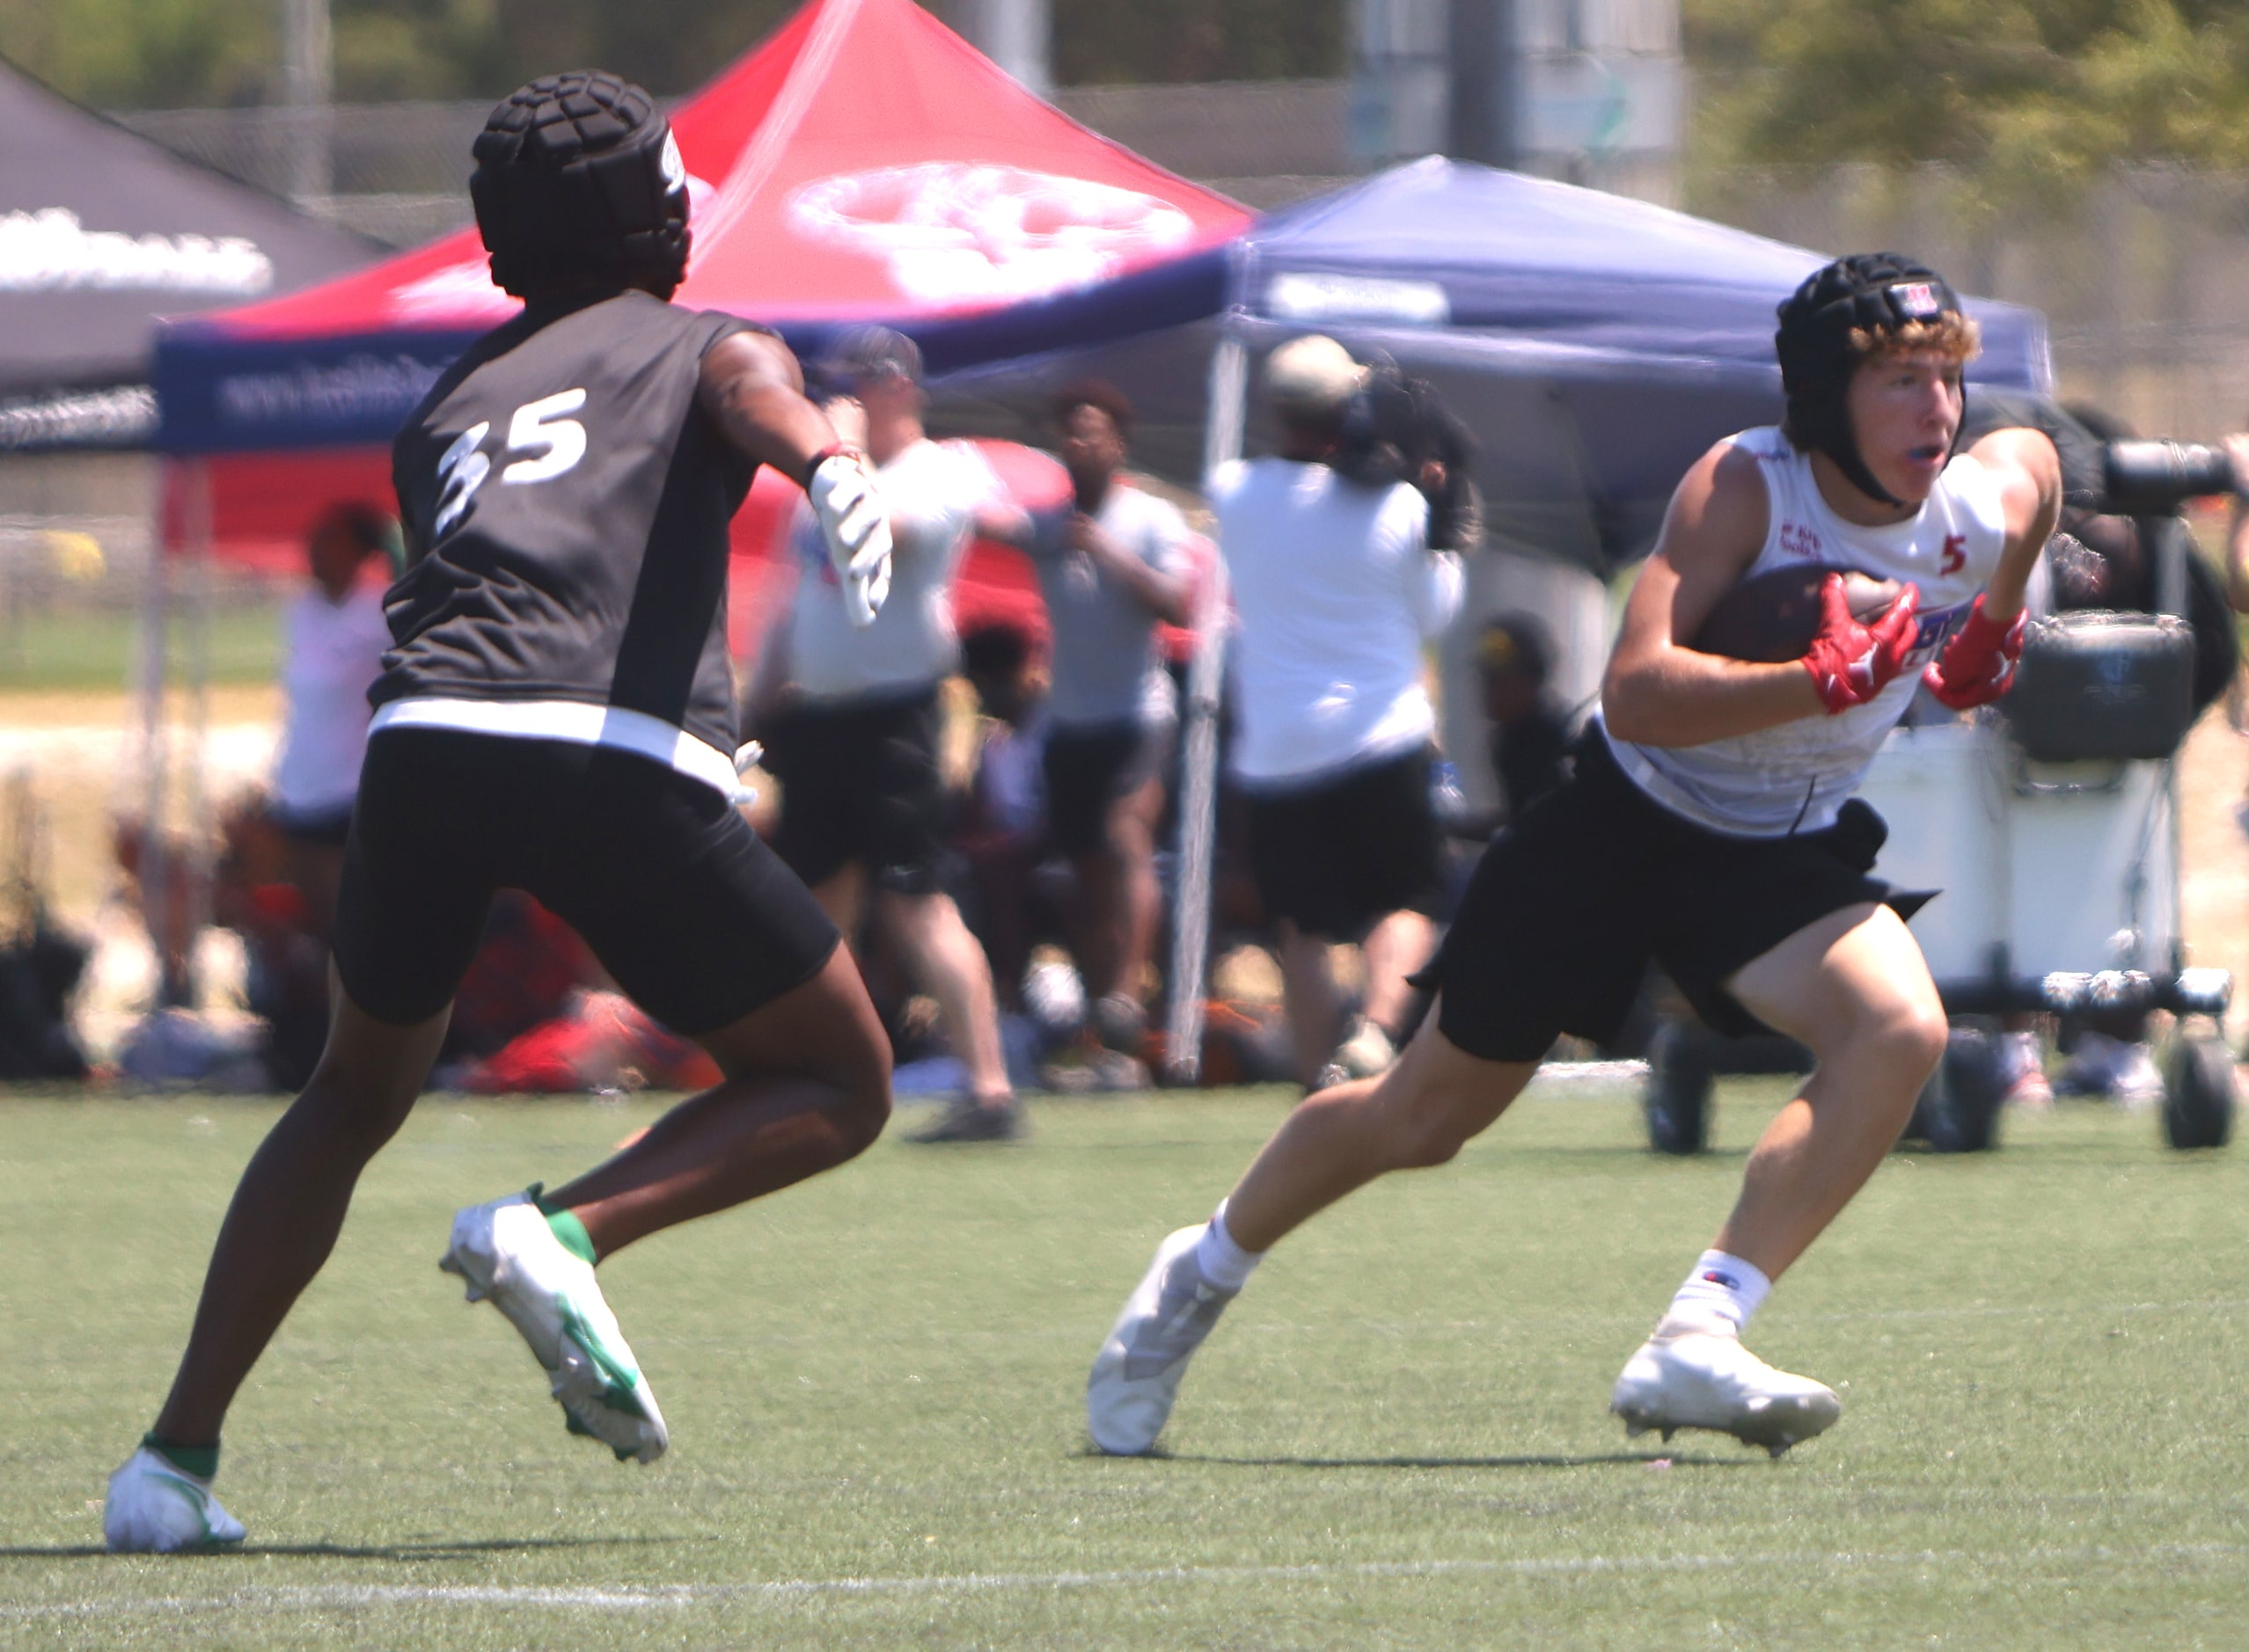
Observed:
{"x":1169,"y":597}
{"x":2028,"y":471}
{"x":753,"y":386}
{"x":1659,"y":691}
{"x":1977,"y":664}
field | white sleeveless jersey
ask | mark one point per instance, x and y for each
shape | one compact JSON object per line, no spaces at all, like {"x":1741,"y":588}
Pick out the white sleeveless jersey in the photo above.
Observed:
{"x":1793,"y":779}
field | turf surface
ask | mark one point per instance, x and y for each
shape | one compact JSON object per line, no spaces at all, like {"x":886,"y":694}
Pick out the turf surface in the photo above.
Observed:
{"x":1396,"y":1439}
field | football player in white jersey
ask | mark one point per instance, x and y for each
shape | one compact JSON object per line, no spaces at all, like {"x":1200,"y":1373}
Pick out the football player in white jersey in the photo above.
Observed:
{"x":1710,"y":828}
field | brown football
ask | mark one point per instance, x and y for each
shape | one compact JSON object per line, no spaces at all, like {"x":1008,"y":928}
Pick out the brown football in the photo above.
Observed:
{"x":1773,"y":617}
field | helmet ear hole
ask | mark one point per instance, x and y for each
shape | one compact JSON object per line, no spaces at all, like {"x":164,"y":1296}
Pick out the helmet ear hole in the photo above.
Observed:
{"x":578,"y":181}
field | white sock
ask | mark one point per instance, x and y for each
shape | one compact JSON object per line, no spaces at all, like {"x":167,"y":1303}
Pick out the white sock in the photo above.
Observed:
{"x":1721,"y":1288}
{"x":1220,"y":1259}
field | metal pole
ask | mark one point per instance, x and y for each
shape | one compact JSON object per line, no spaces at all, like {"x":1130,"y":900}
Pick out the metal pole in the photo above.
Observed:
{"x":201,"y":530}
{"x":309,"y":79}
{"x":155,"y":660}
{"x":1015,"y":36}
{"x":1190,"y":919}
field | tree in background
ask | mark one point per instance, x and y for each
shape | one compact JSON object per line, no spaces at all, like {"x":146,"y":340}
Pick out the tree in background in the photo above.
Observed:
{"x":2026,"y":93}
{"x":183,"y":54}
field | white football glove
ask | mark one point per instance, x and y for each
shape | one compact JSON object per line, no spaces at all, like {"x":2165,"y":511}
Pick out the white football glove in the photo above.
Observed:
{"x":842,"y":490}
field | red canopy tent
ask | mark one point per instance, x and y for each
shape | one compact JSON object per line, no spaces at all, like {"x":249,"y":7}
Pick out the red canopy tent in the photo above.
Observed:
{"x":864,"y":162}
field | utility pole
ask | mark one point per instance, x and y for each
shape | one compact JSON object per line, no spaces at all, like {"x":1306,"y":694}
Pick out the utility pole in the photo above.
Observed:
{"x":308,"y":88}
{"x":1017,"y":34}
{"x":1485,"y":121}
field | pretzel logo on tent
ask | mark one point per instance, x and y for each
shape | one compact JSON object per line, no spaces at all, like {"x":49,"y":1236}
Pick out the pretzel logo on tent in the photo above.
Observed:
{"x":955,"y":232}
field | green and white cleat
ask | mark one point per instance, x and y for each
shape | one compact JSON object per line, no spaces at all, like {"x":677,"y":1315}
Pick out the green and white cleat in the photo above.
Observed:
{"x":156,"y":1507}
{"x":509,"y":1257}
{"x":1706,"y":1379}
{"x":1135,"y":1378}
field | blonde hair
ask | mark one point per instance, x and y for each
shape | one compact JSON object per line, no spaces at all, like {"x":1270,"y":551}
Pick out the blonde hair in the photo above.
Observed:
{"x":1953,"y":334}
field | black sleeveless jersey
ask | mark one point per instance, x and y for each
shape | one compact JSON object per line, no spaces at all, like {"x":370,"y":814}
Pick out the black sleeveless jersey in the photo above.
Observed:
{"x":565,"y":502}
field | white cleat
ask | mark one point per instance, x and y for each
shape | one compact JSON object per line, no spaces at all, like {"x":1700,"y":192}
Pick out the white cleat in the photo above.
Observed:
{"x":1136,"y":1376}
{"x":509,"y":1256}
{"x":156,"y":1507}
{"x":1706,"y":1379}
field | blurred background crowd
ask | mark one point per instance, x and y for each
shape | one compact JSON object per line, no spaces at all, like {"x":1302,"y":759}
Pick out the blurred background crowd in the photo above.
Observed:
{"x":172,"y":851}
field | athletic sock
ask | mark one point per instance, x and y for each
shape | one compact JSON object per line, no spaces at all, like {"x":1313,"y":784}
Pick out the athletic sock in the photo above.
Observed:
{"x":563,"y":1222}
{"x":1721,"y":1288}
{"x":1220,"y":1261}
{"x":201,"y":1461}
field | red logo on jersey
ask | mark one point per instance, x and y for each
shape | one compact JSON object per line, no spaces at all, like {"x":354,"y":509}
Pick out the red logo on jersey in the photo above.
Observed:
{"x":1955,"y":555}
{"x":1797,"y":540}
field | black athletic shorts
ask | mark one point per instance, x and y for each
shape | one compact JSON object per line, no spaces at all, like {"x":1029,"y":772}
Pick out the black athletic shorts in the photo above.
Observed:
{"x":1571,"y":902}
{"x":698,"y":921}
{"x":860,"y":782}
{"x":326,"y":827}
{"x":1089,"y":769}
{"x":1335,"y":857}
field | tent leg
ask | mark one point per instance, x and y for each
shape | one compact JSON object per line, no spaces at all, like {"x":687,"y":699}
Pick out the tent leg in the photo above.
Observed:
{"x":156,"y":603}
{"x":1191,"y":921}
{"x":200,"y":824}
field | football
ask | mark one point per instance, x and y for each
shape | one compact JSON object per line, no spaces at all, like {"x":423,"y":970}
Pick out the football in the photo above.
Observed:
{"x":1772,"y":617}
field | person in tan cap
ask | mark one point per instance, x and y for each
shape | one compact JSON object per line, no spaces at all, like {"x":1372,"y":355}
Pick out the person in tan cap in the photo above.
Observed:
{"x":1338,"y":591}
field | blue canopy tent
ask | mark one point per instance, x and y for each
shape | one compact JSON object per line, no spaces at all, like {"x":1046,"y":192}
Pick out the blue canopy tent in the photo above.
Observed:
{"x":1595,"y":346}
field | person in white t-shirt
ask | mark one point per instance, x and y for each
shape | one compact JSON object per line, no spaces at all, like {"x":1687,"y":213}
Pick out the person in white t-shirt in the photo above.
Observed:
{"x":1338,"y":591}
{"x":851,"y":730}
{"x":1111,"y":563}
{"x":336,"y":636}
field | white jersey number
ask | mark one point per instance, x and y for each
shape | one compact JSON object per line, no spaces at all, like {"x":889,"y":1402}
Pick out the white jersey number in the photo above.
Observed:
{"x":551,"y":442}
{"x":460,"y":474}
{"x":556,"y":443}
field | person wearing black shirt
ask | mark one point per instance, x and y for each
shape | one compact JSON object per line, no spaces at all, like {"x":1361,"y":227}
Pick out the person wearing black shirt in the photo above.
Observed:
{"x":1530,"y":731}
{"x":555,"y":715}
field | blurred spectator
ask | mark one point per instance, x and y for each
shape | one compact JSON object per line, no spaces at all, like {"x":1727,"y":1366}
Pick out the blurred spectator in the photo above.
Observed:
{"x":1530,"y":727}
{"x":335,"y":641}
{"x":1111,"y":565}
{"x":850,"y":716}
{"x":1336,"y":590}
{"x":2236,"y":539}
{"x":1002,"y":833}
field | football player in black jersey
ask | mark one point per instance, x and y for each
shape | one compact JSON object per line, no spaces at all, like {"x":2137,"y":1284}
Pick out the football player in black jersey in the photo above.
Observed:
{"x":556,"y":715}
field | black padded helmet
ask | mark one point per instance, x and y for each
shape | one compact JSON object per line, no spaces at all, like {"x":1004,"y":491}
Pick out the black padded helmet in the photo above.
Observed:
{"x":1867,"y":292}
{"x":577,"y":178}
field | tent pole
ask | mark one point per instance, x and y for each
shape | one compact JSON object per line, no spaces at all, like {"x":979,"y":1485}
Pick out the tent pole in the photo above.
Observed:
{"x":155,"y":659}
{"x":1190,"y":918}
{"x":199,"y":856}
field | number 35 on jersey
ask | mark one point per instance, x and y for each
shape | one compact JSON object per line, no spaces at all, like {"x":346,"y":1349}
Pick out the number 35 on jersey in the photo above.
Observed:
{"x":548,"y":441}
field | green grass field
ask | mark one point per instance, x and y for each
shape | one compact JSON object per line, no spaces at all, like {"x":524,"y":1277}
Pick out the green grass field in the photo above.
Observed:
{"x":98,"y":648}
{"x":1398,"y":1437}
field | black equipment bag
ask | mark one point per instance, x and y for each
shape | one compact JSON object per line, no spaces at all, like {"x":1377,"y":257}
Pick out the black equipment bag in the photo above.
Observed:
{"x":2093,"y":684}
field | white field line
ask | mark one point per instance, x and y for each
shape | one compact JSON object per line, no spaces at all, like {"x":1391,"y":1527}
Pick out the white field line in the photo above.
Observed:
{"x":348,"y":1597}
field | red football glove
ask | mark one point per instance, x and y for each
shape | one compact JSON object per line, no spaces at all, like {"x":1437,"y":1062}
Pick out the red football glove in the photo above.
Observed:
{"x":1850,"y":661}
{"x":1977,"y":664}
